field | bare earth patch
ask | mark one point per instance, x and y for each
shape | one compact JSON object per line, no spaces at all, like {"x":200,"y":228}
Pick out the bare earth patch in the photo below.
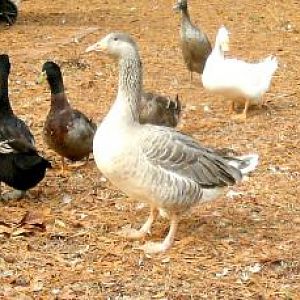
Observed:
{"x":60,"y":241}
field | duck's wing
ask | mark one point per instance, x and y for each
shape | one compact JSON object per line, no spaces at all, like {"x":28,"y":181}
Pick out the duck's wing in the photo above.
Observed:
{"x":248,"y":77}
{"x":5,"y":148}
{"x":83,"y":123}
{"x":200,"y":45}
{"x":180,"y":156}
{"x":169,"y":104}
{"x":23,"y":154}
{"x":15,"y":128}
{"x":16,"y":146}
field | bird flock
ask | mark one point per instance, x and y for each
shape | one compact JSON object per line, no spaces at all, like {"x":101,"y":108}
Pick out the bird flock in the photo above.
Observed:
{"x":136,"y":145}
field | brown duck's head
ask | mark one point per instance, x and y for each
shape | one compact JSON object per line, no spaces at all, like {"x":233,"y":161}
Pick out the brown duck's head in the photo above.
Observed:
{"x":181,"y":5}
{"x":51,"y":71}
{"x":4,"y":64}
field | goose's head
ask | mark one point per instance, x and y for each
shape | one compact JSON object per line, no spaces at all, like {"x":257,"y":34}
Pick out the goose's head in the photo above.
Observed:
{"x":180,"y":5}
{"x":116,"y":44}
{"x":4,"y":63}
{"x":222,"y":39}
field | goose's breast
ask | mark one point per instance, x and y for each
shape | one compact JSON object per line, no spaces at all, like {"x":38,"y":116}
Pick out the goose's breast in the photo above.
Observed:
{"x":113,"y":153}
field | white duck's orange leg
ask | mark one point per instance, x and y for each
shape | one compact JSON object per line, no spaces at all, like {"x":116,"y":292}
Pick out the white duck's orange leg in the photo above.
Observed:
{"x":134,"y":234}
{"x":247,"y":104}
{"x":243,"y":115}
{"x":152,"y":248}
{"x":263,"y":103}
{"x":232,"y":106}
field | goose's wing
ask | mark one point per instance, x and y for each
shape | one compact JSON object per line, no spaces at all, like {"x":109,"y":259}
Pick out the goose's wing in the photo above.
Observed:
{"x":179,"y":155}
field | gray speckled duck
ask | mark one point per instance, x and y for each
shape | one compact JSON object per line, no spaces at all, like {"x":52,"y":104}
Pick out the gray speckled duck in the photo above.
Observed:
{"x":156,"y":164}
{"x":194,"y":42}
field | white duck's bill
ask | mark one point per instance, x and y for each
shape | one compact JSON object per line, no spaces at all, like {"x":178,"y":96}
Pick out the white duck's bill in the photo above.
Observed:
{"x":225,"y":46}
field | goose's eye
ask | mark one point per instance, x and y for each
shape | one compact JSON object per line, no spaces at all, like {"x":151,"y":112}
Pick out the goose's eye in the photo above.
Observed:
{"x":115,"y":39}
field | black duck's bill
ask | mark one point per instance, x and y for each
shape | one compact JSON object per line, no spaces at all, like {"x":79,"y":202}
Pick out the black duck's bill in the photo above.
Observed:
{"x":41,"y":78}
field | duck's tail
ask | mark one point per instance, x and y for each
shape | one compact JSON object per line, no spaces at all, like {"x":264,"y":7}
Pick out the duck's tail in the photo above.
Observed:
{"x":270,"y":65}
{"x":245,"y":163}
{"x":264,"y":71}
{"x":177,"y":105}
{"x":174,"y":104}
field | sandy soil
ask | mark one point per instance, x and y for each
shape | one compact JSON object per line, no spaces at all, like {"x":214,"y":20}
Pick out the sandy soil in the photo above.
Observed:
{"x":60,"y":242}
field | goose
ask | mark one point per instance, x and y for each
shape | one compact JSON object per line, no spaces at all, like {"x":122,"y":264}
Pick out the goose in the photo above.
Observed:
{"x":67,"y":131}
{"x":21,"y":167}
{"x":159,"y":110}
{"x":156,"y":164}
{"x":244,"y":82}
{"x":195,"y":44}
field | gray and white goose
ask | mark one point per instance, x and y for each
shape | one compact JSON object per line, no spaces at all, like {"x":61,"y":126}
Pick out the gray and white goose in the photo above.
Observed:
{"x":195,"y":45}
{"x":156,"y":164}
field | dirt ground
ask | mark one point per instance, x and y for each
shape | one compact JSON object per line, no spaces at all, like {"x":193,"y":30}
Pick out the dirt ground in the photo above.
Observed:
{"x":60,"y":241}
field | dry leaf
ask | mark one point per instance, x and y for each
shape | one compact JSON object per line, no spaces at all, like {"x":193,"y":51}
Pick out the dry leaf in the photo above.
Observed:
{"x":22,"y":231}
{"x":60,"y":223}
{"x":4,"y":230}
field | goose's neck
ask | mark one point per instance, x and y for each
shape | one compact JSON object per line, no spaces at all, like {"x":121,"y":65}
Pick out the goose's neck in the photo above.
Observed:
{"x":130,"y":86}
{"x":5,"y":107}
{"x":185,"y":16}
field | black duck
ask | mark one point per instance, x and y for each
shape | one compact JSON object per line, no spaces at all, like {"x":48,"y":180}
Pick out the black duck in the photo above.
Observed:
{"x":21,"y":167}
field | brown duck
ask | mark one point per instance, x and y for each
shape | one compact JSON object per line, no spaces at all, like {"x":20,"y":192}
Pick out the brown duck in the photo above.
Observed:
{"x":67,"y":131}
{"x":159,"y":110}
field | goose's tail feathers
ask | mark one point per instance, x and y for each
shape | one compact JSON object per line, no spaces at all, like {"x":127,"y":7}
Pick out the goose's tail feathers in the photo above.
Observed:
{"x":245,"y":163}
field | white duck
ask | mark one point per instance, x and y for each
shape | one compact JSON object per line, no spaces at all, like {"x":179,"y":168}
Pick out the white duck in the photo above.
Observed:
{"x":243,"y":82}
{"x":156,"y":164}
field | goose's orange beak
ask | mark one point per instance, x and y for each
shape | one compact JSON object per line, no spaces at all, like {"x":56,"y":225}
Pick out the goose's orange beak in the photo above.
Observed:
{"x":99,"y":46}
